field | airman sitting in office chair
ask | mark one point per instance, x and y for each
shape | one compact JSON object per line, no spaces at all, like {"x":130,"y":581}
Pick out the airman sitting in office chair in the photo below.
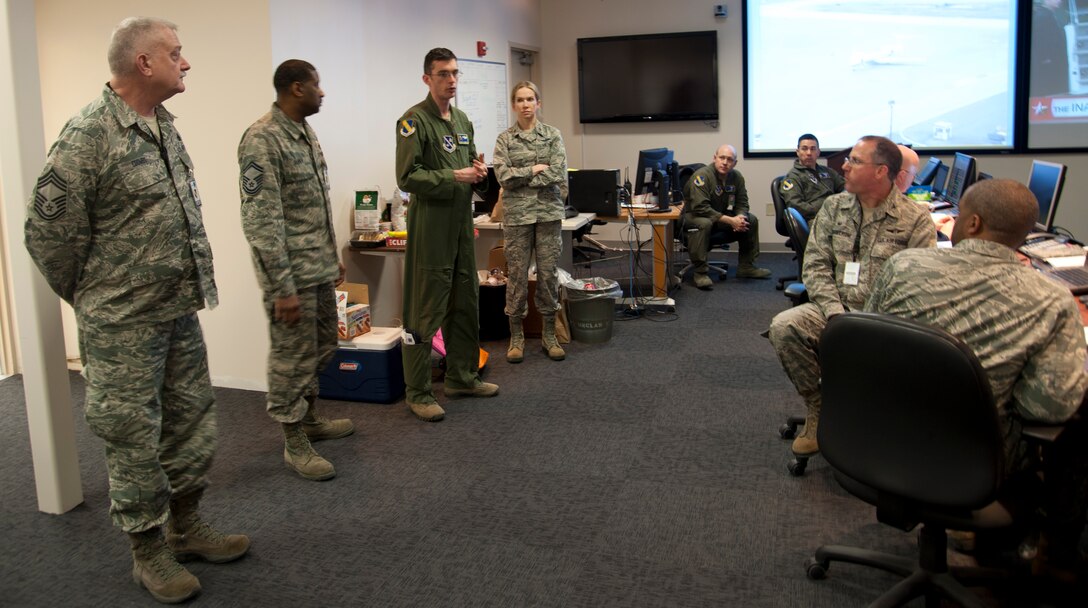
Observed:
{"x":716,"y":200}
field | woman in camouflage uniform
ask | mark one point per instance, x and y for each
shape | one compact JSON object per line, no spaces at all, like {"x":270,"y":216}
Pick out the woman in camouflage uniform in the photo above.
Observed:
{"x":531,"y":166}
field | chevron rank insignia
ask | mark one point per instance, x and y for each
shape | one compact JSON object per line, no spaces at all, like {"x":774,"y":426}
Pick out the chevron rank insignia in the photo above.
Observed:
{"x":51,"y":196}
{"x":252,"y":178}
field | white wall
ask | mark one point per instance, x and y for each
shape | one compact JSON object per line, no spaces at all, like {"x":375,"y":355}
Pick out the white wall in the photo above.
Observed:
{"x":369,"y":54}
{"x":611,"y":146}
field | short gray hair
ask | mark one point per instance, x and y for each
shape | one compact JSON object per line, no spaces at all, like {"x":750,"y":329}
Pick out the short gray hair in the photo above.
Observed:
{"x":129,"y":39}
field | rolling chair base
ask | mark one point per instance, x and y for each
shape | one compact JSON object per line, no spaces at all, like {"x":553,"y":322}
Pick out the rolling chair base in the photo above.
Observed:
{"x":796,"y":466}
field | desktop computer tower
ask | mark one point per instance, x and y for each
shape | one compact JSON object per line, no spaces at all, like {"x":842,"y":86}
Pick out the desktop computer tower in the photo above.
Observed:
{"x":595,"y":191}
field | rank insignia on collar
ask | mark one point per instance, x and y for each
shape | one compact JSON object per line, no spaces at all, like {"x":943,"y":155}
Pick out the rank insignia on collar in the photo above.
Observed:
{"x":718,"y":191}
{"x":51,"y":196}
{"x":407,"y":127}
{"x":447,"y":143}
{"x":787,"y":185}
{"x":252,"y":178}
{"x":700,"y":181}
{"x":462,"y":138}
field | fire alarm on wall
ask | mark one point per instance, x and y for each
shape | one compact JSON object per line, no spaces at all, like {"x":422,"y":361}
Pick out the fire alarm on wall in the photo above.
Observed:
{"x":481,"y":48}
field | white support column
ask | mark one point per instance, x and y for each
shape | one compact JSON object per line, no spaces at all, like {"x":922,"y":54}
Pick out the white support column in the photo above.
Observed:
{"x":37,"y":308}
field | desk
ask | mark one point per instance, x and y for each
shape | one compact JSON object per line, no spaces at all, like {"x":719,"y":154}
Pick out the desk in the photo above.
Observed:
{"x":662,"y":237}
{"x":491,"y":234}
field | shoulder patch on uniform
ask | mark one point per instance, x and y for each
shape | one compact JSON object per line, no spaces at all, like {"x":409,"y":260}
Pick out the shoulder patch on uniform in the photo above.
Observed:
{"x":700,"y":181}
{"x":462,"y":138}
{"x":407,"y":127}
{"x":787,"y":185}
{"x":718,"y":191}
{"x":51,"y":196}
{"x":447,"y":143}
{"x":252,"y":178}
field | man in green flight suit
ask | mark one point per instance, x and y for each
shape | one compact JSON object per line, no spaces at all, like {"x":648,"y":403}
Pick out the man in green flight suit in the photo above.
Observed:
{"x":115,"y":227}
{"x":808,"y":183}
{"x":438,"y":165}
{"x":716,"y":200}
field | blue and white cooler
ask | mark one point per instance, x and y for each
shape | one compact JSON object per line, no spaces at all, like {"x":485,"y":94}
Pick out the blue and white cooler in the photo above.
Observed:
{"x":367,"y":368}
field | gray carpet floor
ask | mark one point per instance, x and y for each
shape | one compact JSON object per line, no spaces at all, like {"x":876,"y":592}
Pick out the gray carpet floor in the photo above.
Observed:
{"x":645,"y":471}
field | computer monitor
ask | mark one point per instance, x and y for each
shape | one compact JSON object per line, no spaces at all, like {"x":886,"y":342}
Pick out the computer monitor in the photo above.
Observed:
{"x":940,"y":177}
{"x":1045,"y":181}
{"x":649,"y":161}
{"x":488,"y":199}
{"x":960,"y":177}
{"x":926,"y":175}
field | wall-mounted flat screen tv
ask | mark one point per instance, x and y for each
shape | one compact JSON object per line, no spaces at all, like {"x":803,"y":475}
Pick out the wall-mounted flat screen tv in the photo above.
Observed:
{"x":648,"y":77}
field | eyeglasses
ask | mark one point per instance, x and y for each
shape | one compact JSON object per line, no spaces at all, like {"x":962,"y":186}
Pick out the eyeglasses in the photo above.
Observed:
{"x":857,"y":162}
{"x":447,"y":74}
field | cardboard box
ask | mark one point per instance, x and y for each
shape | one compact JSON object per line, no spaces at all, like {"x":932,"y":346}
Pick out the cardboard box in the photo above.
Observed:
{"x":367,"y":368}
{"x":352,"y":310}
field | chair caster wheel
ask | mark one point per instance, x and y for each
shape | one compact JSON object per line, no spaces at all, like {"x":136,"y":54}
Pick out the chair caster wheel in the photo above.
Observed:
{"x":797,"y":466}
{"x":787,"y":431}
{"x":814,"y":570}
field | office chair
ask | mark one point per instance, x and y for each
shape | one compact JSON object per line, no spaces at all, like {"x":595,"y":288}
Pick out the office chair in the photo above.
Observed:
{"x":587,"y":249}
{"x":797,"y":231}
{"x":908,"y":424}
{"x":717,"y":241}
{"x":780,"y":226}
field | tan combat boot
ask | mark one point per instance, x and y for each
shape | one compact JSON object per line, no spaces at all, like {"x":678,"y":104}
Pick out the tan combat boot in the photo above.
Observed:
{"x":702,"y":281}
{"x":805,"y":443}
{"x":301,"y":457}
{"x":154,"y":568}
{"x":319,"y":428}
{"x":549,"y":342}
{"x":515,"y":353}
{"x":190,"y":537}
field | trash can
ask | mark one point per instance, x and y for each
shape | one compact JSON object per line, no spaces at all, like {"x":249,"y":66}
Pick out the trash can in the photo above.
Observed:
{"x":592,"y":305}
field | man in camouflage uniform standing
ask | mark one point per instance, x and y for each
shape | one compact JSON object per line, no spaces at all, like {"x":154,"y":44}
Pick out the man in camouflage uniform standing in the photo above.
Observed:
{"x":287,"y":219}
{"x":437,"y":163}
{"x":716,"y":200}
{"x":1025,"y":330}
{"x":808,"y":183}
{"x":855,"y":232}
{"x":115,"y":227}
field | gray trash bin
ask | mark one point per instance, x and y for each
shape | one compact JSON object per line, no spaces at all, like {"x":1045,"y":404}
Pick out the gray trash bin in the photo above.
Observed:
{"x":591,"y":307}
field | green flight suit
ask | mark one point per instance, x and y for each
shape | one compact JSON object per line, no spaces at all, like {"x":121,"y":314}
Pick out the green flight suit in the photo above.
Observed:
{"x":806,"y":189}
{"x":707,"y":197}
{"x":440,"y":283}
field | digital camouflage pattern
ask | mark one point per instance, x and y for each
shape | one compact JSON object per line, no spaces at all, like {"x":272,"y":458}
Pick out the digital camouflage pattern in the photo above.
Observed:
{"x":806,"y":189}
{"x":519,"y":243}
{"x":528,"y":198}
{"x":116,"y":232}
{"x":532,"y":213}
{"x":287,"y":219}
{"x":896,"y":224}
{"x":706,"y":199}
{"x":286,"y":211}
{"x":440,"y":283}
{"x":158,"y":420}
{"x":1025,"y":330}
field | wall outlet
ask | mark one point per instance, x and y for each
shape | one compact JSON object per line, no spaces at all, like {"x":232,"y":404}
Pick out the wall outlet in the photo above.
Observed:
{"x":770,"y":209}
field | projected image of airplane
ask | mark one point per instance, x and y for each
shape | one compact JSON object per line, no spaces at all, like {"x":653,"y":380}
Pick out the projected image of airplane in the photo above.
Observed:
{"x":887,"y":56}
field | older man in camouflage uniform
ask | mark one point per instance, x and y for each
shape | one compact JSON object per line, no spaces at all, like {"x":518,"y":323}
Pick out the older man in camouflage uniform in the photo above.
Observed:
{"x":287,"y":219}
{"x":1025,"y":330}
{"x":437,"y":163}
{"x":115,"y":226}
{"x":809,"y":183}
{"x":855,"y":232}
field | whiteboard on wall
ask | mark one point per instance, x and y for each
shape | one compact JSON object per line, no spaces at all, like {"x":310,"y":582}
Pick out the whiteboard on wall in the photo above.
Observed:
{"x":481,"y":94}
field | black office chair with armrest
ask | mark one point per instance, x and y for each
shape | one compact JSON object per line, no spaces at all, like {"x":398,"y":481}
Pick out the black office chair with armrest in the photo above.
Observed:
{"x":780,"y":226}
{"x":797,"y":230}
{"x":909,"y":425}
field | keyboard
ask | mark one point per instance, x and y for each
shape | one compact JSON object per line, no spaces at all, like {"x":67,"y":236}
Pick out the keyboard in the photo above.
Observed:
{"x":1074,"y":278}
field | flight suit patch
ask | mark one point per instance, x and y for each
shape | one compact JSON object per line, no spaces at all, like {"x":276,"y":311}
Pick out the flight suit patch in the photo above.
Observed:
{"x":718,"y":191}
{"x":787,"y":185}
{"x":407,"y":127}
{"x":51,"y":196}
{"x":462,"y":138}
{"x":252,"y":178}
{"x":700,"y":181}
{"x":447,"y":143}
